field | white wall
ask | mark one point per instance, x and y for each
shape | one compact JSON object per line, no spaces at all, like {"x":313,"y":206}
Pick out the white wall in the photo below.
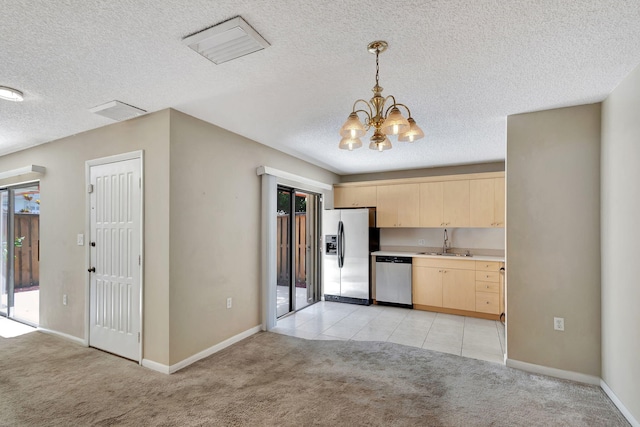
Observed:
{"x":553,"y":238}
{"x":467,"y":238}
{"x":620,"y":242}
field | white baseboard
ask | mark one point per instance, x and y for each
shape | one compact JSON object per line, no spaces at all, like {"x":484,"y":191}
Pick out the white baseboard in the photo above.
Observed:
{"x":204,"y":353}
{"x":158,"y":367}
{"x":63,"y":335}
{"x":619,"y":404}
{"x":553,"y":372}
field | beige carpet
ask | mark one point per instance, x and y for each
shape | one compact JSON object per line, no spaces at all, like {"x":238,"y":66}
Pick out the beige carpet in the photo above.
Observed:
{"x":270,"y":379}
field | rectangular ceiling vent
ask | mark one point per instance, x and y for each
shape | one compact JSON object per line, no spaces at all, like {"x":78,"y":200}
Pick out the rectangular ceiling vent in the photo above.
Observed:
{"x":226,"y":41}
{"x":118,"y":111}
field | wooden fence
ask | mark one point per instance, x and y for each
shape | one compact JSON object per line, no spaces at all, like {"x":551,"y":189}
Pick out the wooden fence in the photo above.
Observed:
{"x":300,"y":245}
{"x":27,"y":259}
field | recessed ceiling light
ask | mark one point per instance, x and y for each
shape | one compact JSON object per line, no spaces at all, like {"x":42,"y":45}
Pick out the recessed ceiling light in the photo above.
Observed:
{"x":226,"y":41}
{"x":11,"y":94}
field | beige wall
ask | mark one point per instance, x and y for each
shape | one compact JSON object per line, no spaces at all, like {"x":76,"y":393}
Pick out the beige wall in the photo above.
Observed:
{"x":620,"y":237}
{"x":553,"y":238}
{"x":202,"y":227}
{"x":63,"y":216}
{"x":415,"y":173}
{"x":215,"y":231}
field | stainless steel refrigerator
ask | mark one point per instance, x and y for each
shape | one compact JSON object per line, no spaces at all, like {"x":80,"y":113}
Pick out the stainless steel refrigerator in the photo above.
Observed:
{"x":349,"y":237}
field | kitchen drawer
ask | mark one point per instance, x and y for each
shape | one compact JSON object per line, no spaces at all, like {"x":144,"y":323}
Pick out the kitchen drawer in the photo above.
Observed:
{"x":444,"y":263}
{"x":487,"y":302}
{"x":488,"y":276}
{"x":487,"y":287}
{"x":487,"y":265}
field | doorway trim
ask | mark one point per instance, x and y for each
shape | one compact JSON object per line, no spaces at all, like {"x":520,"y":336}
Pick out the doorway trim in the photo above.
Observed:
{"x":271,"y":177}
{"x":133,"y":155}
{"x":9,"y":265}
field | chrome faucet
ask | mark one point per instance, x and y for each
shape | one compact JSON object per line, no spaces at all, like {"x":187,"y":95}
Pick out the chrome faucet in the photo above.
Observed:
{"x":445,"y":244}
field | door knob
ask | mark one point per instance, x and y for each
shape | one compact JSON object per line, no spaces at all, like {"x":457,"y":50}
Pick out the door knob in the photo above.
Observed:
{"x":92,"y":270}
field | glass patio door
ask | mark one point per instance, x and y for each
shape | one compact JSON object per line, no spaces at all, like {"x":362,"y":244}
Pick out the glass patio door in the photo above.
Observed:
{"x":297,"y":250}
{"x":19,"y":271}
{"x":4,"y":236}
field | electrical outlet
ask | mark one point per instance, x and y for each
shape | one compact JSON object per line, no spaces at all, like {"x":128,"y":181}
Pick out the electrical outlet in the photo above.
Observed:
{"x":558,"y":323}
{"x":228,"y":302}
{"x":80,"y":239}
{"x":421,"y":242}
{"x":64,"y":299}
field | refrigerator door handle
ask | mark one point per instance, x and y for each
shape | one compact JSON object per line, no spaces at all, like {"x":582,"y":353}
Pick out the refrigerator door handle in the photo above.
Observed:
{"x":340,"y":244}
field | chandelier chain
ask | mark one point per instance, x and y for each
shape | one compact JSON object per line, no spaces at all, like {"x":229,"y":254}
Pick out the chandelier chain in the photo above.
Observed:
{"x":377,"y":67}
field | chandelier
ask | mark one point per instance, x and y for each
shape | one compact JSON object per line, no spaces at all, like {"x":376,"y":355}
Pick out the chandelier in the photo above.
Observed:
{"x":384,"y":121}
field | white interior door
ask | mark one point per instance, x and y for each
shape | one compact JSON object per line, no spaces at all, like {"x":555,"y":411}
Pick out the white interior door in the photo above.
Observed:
{"x":115,"y":289}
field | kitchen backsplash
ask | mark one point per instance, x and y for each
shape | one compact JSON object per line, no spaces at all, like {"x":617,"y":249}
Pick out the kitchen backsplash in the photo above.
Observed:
{"x":468,"y":238}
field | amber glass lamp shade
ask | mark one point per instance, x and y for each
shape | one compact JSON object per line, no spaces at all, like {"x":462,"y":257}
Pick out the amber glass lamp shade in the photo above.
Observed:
{"x":395,"y":123}
{"x":350,"y":143}
{"x":353,"y":127}
{"x":414,"y":132}
{"x":381,"y":146}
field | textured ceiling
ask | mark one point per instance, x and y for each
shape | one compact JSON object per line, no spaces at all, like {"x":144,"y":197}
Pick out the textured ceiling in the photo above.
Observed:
{"x":460,"y":66}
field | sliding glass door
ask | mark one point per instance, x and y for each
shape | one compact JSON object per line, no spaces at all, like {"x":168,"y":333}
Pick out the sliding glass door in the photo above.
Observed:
{"x":20,"y":269}
{"x":297,"y":250}
{"x":4,"y":265}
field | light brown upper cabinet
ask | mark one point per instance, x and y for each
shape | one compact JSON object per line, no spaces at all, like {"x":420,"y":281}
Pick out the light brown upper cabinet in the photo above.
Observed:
{"x":431,"y":200}
{"x":499,"y":202}
{"x":487,"y":202}
{"x":398,"y":206}
{"x":444,"y":204}
{"x":354,"y":197}
{"x":455,"y":208}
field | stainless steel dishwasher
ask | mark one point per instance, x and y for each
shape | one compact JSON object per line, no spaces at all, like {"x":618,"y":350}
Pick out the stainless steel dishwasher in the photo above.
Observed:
{"x":393,"y":280}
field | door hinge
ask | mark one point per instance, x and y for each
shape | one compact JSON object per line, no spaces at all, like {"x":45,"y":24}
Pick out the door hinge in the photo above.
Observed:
{"x":139,"y":182}
{"x":90,"y":188}
{"x":138,"y":336}
{"x":139,"y":260}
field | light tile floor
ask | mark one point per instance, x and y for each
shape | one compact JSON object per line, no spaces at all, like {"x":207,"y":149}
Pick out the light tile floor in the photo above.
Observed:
{"x":463,"y":336}
{"x":10,"y":328}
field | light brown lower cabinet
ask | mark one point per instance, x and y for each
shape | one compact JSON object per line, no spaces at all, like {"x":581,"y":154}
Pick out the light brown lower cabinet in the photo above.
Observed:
{"x":487,"y":302}
{"x":427,"y":286}
{"x":488,"y":290}
{"x":459,"y":289}
{"x":444,"y":283}
{"x":457,"y":286}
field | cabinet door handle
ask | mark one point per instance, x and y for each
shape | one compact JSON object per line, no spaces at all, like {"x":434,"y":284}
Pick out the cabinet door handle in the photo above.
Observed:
{"x":487,"y":302}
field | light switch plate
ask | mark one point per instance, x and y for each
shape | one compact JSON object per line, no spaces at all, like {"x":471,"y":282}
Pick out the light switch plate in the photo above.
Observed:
{"x":80,"y":239}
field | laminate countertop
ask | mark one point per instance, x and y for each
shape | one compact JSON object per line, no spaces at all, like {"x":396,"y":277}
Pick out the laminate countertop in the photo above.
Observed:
{"x":428,"y":255}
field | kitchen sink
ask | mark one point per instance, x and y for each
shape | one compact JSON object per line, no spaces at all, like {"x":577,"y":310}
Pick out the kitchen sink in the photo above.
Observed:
{"x":445,"y":254}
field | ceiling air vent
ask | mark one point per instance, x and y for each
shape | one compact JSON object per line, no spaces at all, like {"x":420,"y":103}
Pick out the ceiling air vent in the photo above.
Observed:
{"x":118,"y":111}
{"x":226,"y":41}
